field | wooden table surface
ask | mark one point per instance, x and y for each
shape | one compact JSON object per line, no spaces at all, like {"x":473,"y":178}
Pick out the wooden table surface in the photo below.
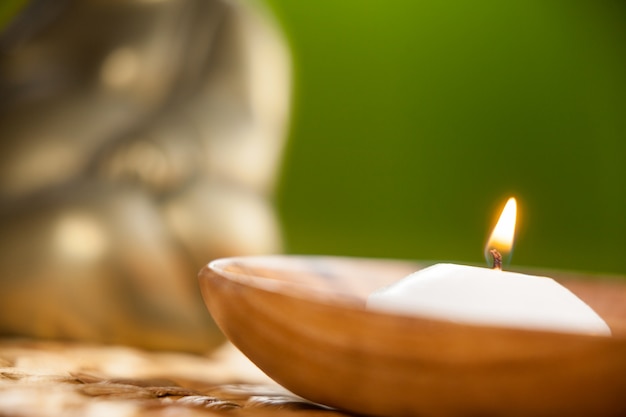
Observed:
{"x":43,"y":378}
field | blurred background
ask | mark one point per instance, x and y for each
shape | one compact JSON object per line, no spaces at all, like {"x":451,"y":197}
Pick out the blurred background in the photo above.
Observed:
{"x":141,"y":139}
{"x":413,"y":121}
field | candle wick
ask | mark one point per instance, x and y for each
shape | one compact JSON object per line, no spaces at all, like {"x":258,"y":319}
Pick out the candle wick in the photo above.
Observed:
{"x":497,"y":259}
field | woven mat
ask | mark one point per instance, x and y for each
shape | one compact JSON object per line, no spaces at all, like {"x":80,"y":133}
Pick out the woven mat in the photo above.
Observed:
{"x":67,"y":379}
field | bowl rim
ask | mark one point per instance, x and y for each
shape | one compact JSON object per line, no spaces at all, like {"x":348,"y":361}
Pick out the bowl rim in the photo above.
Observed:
{"x":341,"y":300}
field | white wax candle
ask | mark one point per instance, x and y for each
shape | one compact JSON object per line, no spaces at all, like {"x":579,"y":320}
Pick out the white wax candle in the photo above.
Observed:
{"x":490,"y":297}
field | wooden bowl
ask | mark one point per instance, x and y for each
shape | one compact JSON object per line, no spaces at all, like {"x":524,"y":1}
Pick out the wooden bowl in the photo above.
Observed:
{"x":303,"y":321}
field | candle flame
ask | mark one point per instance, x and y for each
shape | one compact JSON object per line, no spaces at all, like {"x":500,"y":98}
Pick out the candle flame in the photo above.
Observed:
{"x":503,"y":233}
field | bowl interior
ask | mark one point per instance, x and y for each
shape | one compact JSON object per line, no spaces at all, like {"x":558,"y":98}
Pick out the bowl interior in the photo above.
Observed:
{"x":349,"y":281}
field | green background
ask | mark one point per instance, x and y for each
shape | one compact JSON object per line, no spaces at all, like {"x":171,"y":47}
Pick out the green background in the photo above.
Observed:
{"x":413,"y":121}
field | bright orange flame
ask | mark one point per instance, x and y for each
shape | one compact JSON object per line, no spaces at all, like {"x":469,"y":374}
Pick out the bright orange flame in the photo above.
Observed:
{"x":503,"y":234}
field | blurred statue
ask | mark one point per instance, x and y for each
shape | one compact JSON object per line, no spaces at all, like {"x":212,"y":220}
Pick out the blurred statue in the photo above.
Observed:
{"x":139,"y":139}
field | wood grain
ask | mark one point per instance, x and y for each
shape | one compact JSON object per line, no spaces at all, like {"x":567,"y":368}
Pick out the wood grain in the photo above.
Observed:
{"x":53,"y":378}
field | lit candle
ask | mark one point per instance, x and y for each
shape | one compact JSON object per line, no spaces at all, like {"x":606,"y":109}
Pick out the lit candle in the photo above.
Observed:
{"x":468,"y":294}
